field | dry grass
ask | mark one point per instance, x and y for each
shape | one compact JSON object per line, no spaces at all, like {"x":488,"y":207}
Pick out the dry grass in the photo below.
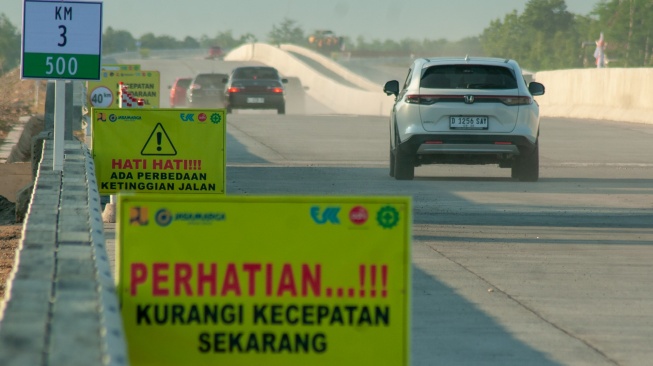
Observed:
{"x":9,"y":239}
{"x":18,"y":98}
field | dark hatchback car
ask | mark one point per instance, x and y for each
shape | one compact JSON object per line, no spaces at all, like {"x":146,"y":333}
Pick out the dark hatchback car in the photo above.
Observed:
{"x":206,"y":90}
{"x":255,"y":87}
{"x":178,"y":92}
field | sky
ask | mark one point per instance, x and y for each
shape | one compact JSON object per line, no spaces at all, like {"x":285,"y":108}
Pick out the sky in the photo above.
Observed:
{"x":371,"y":19}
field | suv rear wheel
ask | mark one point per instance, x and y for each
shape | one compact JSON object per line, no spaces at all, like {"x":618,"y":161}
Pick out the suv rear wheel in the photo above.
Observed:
{"x":527,"y":167}
{"x":403,"y":163}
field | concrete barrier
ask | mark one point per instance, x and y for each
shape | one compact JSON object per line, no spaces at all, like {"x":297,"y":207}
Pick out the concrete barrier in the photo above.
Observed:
{"x":605,"y":94}
{"x":328,"y":63}
{"x":61,"y":307}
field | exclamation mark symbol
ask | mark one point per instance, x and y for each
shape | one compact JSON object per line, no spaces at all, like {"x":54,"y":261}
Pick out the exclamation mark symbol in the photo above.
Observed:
{"x":373,"y":279}
{"x":384,"y":280}
{"x":158,"y":141}
{"x":199,"y":165}
{"x":361,"y":278}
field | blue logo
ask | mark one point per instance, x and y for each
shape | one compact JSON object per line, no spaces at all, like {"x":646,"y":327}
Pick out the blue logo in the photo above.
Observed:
{"x":327,"y":215}
{"x":187,"y":117}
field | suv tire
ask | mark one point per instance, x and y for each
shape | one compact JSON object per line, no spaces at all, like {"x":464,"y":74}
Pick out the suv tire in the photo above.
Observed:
{"x":404,"y":168}
{"x":527,"y":167}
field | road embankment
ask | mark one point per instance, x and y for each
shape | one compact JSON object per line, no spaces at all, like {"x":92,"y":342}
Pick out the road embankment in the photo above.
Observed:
{"x":605,"y":94}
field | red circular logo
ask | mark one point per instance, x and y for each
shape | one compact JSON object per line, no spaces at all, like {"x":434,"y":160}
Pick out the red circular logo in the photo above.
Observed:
{"x":201,"y":117}
{"x":358,"y":215}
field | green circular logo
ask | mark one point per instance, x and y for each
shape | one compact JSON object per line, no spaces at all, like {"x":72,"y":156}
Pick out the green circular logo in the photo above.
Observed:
{"x":387,"y":217}
{"x":216,"y":118}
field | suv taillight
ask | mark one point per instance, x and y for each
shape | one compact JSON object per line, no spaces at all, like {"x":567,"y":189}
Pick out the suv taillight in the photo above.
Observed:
{"x":233,"y":89}
{"x":516,"y":100}
{"x":426,"y":99}
{"x":431,"y":99}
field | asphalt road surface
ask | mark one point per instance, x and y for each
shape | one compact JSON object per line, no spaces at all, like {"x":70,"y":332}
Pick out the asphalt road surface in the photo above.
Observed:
{"x":557,"y":272}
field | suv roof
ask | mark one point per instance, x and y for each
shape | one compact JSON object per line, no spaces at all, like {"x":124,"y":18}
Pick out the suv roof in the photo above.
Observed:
{"x":467,"y":58}
{"x":425,"y":62}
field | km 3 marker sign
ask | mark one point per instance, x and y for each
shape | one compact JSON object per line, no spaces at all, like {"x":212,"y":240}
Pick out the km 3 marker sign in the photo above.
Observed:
{"x":61,"y":40}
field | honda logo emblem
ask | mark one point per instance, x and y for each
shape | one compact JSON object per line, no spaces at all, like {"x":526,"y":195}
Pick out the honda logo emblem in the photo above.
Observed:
{"x":469,"y":99}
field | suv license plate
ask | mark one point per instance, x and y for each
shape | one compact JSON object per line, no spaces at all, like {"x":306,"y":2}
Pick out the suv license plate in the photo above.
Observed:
{"x":469,"y":122}
{"x":255,"y":100}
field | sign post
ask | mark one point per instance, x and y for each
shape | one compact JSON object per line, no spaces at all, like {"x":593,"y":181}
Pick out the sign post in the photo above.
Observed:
{"x":61,"y":41}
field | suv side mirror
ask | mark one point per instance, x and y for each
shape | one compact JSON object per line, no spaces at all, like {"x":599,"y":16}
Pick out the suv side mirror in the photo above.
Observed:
{"x":285,"y":81}
{"x":536,"y":88}
{"x":224,"y":80}
{"x":391,"y":88}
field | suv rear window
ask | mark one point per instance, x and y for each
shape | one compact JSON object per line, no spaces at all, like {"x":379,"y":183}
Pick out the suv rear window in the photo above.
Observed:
{"x":468,"y":77}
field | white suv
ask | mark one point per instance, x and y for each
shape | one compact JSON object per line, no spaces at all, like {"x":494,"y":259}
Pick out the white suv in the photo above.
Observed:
{"x":464,"y":111}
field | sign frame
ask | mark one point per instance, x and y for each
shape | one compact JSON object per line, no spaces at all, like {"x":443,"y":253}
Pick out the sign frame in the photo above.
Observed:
{"x":161,"y":150}
{"x":139,"y":216}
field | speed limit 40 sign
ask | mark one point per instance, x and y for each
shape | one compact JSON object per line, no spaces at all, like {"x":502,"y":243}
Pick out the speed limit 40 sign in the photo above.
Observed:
{"x":61,"y":40}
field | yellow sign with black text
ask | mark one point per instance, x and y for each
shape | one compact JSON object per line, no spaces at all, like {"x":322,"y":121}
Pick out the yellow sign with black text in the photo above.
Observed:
{"x":225,"y":280}
{"x":159,"y":150}
{"x":142,"y":84}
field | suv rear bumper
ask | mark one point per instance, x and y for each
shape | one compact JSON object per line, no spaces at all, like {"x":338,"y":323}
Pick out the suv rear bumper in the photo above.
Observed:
{"x":466,"y":149}
{"x":446,"y":143}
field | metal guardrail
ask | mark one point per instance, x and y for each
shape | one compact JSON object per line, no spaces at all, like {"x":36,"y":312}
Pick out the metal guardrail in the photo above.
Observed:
{"x":61,"y":306}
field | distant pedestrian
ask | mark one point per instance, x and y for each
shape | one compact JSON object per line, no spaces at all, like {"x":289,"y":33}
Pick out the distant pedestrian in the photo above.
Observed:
{"x":599,"y":53}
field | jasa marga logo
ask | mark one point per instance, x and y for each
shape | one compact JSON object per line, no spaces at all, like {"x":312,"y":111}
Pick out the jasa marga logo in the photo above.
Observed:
{"x":115,"y":118}
{"x":165,"y":217}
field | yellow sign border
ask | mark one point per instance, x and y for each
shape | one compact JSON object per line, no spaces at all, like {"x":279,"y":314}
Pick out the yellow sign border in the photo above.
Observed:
{"x":126,"y":200}
{"x":135,"y":134}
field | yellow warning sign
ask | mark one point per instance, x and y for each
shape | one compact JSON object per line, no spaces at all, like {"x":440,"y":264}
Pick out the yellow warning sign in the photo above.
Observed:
{"x":159,"y":150}
{"x":142,"y":84}
{"x":159,"y":143}
{"x":224,"y":280}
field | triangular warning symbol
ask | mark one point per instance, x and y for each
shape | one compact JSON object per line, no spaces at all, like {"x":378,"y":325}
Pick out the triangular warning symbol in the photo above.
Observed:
{"x":159,"y":143}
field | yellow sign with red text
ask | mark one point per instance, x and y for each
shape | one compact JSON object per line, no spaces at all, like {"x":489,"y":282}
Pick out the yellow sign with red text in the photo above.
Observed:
{"x":264,"y":280}
{"x":159,"y":150}
{"x":142,"y":84}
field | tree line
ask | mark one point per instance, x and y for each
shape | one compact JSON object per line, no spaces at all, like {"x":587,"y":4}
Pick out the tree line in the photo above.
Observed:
{"x":545,"y":36}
